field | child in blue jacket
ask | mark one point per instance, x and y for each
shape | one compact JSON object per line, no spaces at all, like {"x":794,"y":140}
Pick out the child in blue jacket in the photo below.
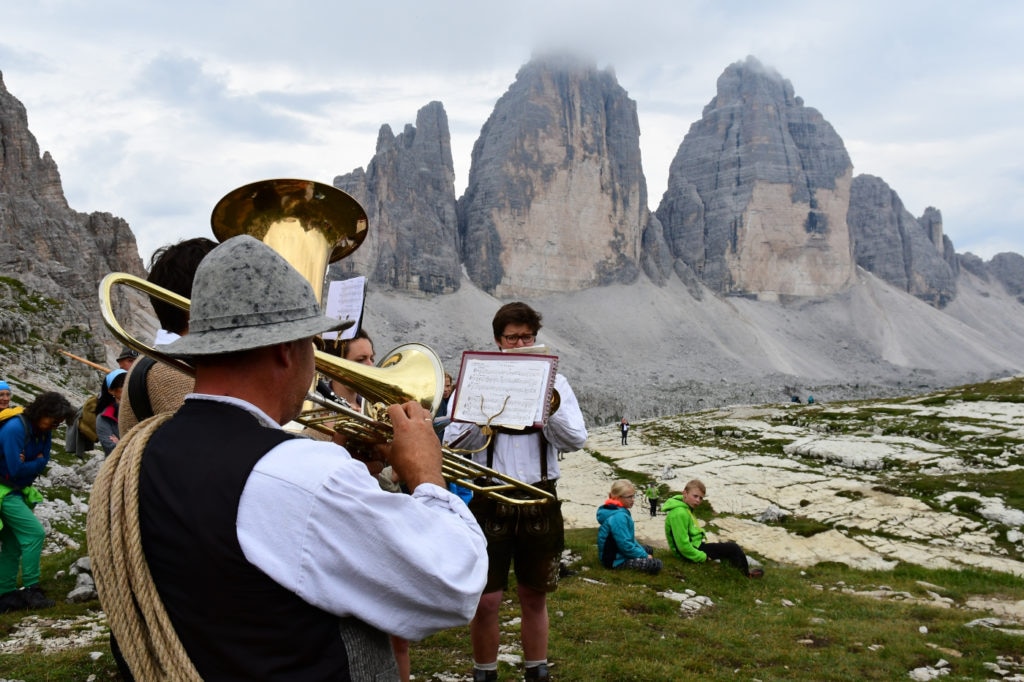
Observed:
{"x":616,"y":539}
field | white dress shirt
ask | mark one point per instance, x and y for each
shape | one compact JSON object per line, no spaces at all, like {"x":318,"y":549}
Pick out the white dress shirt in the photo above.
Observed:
{"x":315,"y":521}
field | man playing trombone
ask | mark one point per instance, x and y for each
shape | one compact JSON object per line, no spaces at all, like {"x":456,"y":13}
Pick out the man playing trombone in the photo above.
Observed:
{"x":275,"y":556}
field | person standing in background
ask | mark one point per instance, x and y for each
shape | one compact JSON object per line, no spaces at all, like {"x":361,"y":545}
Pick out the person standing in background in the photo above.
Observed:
{"x":107,"y":409}
{"x":652,"y":494}
{"x":441,"y":417}
{"x":5,"y":395}
{"x":624,"y":428}
{"x":126,"y":357}
{"x":532,"y":540}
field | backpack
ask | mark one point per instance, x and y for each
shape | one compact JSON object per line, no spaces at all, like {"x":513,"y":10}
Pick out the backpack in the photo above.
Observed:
{"x":83,"y":426}
{"x":611,"y":549}
{"x":138,"y":396}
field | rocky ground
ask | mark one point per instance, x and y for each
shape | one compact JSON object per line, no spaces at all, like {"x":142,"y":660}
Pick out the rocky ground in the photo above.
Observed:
{"x":844,"y":481}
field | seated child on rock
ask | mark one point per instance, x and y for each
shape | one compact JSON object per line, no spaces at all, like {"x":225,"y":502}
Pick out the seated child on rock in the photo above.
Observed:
{"x":616,"y":538}
{"x":686,"y":538}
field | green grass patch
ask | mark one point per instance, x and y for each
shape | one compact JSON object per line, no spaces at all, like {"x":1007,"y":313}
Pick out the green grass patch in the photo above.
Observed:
{"x":793,"y":624}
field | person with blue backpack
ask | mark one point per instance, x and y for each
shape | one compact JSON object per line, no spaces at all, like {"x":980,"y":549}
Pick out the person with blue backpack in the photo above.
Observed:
{"x":25,"y":441}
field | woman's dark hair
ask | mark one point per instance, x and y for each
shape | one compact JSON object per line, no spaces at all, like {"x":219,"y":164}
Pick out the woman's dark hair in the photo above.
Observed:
{"x":515,"y":313}
{"x":49,"y":404}
{"x":106,"y":398}
{"x":339,"y":347}
{"x":173,"y":267}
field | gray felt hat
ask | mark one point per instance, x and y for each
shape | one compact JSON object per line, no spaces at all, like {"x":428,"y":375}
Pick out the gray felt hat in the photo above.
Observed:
{"x":244,"y":296}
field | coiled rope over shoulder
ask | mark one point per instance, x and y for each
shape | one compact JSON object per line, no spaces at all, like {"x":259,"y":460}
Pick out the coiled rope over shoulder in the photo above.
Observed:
{"x":135,"y":613}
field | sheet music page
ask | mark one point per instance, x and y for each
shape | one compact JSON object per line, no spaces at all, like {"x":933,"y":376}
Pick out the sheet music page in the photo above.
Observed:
{"x":345,"y":302}
{"x":503,"y":392}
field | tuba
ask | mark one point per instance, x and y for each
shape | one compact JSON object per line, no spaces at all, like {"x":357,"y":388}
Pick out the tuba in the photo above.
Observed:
{"x":312,"y":225}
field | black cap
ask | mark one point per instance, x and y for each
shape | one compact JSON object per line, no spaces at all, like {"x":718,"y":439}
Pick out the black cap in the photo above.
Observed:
{"x":128,"y":353}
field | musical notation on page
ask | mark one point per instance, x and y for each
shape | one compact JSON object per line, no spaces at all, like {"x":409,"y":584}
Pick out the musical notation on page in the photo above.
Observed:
{"x":345,"y":299}
{"x":512,"y":390}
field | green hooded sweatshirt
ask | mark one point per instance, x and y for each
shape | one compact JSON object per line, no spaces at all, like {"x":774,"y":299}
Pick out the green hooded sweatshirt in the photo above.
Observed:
{"x":682,"y":532}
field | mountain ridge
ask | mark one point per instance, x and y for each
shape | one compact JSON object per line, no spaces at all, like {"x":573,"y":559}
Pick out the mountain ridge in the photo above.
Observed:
{"x":657,"y":336}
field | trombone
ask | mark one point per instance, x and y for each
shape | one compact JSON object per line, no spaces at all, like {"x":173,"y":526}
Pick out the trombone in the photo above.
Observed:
{"x":310,"y":225}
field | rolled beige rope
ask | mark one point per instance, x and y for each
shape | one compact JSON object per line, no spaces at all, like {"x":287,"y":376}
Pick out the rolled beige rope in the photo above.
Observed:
{"x":136,"y":615}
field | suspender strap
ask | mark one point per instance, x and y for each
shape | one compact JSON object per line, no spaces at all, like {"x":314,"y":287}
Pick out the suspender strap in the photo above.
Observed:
{"x":138,"y":396}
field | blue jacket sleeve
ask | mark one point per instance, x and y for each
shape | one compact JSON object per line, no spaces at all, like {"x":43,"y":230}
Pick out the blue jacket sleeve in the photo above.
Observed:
{"x":12,"y":443}
{"x":15,"y":443}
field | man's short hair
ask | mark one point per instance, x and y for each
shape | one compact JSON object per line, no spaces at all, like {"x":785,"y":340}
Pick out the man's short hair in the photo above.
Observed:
{"x":173,"y":267}
{"x":515,"y":313}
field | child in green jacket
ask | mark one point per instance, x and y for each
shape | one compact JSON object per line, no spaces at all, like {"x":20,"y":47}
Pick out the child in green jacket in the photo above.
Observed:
{"x":686,"y":538}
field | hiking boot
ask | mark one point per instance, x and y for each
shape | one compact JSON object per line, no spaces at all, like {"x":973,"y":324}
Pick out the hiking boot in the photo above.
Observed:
{"x":485,"y":675}
{"x":756,"y":573}
{"x":539,"y":673}
{"x":35,"y":598}
{"x":12,"y":601}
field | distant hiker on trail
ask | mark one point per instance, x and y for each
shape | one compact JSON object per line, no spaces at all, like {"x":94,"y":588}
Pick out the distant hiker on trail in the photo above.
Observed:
{"x":652,"y":494}
{"x":686,"y":537}
{"x":624,"y":427}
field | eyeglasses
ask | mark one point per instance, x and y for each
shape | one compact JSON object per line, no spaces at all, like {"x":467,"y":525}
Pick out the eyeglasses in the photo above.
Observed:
{"x":516,"y":338}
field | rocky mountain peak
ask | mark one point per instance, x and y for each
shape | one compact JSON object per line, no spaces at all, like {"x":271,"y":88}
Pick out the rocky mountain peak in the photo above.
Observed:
{"x":758,"y":190}
{"x":408,"y":193}
{"x":891,"y":243}
{"x":556,"y":198}
{"x":53,"y":251}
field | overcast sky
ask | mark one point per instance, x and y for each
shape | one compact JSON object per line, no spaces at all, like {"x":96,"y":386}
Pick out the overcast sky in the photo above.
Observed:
{"x":154,"y":110}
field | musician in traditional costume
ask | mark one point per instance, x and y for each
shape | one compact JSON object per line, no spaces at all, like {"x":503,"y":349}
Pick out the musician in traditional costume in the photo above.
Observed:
{"x":275,"y":556}
{"x":530,"y":538}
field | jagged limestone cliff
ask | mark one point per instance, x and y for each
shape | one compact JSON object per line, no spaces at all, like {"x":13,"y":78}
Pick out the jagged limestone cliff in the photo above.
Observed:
{"x":49,"y":250}
{"x":408,"y":193}
{"x":758,"y":191}
{"x":910,"y":254}
{"x":556,"y":198}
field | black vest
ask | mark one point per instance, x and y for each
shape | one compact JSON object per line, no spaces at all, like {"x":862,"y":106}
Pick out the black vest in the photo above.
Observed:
{"x":234,"y":621}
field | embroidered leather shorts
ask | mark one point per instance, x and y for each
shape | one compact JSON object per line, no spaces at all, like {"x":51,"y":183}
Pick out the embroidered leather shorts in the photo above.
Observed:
{"x":529,"y":537}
